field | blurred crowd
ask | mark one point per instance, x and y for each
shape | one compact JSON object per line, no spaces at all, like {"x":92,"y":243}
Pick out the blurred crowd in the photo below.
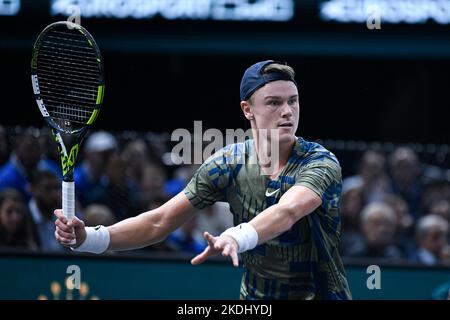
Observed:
{"x":115,"y":178}
{"x":396,"y":208}
{"x":393,"y":206}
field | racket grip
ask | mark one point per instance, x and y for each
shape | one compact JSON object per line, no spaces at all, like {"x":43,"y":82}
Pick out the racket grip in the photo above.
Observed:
{"x":68,"y":201}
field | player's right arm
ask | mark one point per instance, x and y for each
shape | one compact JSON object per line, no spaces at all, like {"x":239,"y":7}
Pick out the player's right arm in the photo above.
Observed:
{"x":145,"y":229}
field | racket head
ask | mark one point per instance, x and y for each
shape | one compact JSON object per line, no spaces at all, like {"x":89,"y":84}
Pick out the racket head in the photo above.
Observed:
{"x":67,"y":77}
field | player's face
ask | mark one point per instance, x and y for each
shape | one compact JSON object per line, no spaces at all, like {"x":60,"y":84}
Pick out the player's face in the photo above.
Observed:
{"x":12,"y":214}
{"x":276,"y":106}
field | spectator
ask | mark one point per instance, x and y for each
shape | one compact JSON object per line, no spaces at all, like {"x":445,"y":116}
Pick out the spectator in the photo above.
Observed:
{"x":405,"y":174}
{"x":441,"y":207}
{"x":351,"y":206}
{"x":135,"y":155}
{"x":87,"y":176}
{"x":404,"y":235}
{"x":50,"y":156}
{"x":46,"y":191}
{"x":15,"y":222}
{"x":378,"y":222}
{"x":434,"y":196}
{"x":98,"y":214}
{"x":152,"y":183}
{"x":372,"y":177}
{"x":115,"y":190}
{"x":22,"y":163}
{"x":432,"y":240}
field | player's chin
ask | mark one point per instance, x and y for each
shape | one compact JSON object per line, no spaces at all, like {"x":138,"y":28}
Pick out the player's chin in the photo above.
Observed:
{"x":285,"y":134}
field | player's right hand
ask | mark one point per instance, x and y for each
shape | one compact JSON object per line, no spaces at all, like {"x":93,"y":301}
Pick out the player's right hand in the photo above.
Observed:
{"x":65,"y":232}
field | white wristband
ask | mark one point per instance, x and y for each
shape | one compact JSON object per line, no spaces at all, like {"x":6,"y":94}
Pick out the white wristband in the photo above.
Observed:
{"x":245,"y":235}
{"x":97,"y":240}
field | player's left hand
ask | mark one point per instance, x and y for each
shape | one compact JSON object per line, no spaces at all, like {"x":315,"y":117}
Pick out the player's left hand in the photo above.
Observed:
{"x":224,"y":245}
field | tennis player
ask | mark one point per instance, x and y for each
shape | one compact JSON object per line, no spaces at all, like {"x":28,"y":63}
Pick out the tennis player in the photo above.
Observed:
{"x":287,"y":223}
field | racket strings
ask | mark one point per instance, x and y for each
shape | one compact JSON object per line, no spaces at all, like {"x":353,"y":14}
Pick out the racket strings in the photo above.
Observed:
{"x":69,"y":75}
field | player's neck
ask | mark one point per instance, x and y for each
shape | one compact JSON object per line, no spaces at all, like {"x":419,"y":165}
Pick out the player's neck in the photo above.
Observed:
{"x":273,"y":156}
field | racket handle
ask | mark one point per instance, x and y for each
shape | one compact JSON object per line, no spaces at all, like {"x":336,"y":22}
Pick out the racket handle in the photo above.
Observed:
{"x":68,"y":201}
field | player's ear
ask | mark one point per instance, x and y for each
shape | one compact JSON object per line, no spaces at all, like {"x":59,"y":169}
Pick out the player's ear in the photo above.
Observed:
{"x":247,"y":110}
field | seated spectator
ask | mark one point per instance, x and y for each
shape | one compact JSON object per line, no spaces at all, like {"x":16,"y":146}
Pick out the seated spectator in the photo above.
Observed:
{"x":97,"y":214}
{"x":135,"y":154}
{"x":405,"y":173}
{"x":50,"y":160}
{"x":378,"y":223}
{"x":432,"y":240}
{"x":404,"y":235}
{"x":115,"y":190}
{"x":46,"y":191}
{"x":441,"y":207}
{"x":15,"y":221}
{"x":351,"y":207}
{"x":97,"y":150}
{"x":433,"y":193}
{"x":22,"y":163}
{"x":152,"y":183}
{"x":372,"y":176}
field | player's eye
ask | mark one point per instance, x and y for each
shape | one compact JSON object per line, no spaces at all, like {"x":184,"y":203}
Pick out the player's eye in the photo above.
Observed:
{"x":292,"y":102}
{"x":273,"y":103}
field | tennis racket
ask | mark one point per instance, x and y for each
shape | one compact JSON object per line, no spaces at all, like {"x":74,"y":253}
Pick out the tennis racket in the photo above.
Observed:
{"x":68,"y":85}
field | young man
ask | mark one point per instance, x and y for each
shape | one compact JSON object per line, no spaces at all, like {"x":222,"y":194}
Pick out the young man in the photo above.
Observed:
{"x":285,"y":203}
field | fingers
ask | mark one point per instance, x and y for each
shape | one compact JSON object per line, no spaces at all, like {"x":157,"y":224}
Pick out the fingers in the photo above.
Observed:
{"x":211,"y":240}
{"x":234,"y":258}
{"x":60,"y":215}
{"x":200,"y":258}
{"x":65,"y":231}
{"x":231,"y":251}
{"x":225,"y":245}
{"x":226,"y":250}
{"x":62,"y":226}
{"x":76,"y":223}
{"x":63,"y":240}
{"x":65,"y":235}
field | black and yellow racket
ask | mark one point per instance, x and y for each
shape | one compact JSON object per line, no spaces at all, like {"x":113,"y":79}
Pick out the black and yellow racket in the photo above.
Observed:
{"x":68,"y":84}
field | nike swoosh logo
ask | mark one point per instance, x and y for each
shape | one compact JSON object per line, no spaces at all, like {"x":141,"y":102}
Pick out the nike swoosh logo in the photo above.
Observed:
{"x":269,"y":194}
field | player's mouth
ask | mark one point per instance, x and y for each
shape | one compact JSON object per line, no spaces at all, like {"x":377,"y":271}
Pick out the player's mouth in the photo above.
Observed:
{"x":286,"y":124}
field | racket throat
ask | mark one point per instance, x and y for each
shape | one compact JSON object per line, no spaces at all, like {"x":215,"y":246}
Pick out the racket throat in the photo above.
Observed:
{"x":68,"y":156}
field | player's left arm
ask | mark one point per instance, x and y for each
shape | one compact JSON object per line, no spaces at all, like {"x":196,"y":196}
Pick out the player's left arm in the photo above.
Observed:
{"x":316,"y":179}
{"x":295,"y":204}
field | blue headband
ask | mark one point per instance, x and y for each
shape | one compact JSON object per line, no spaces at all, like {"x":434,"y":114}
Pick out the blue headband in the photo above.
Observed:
{"x":253,"y":78}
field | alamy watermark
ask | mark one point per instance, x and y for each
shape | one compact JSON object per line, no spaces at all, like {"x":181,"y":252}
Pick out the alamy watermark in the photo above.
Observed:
{"x":74,"y":13}
{"x":197,"y":146}
{"x":374,"y":20}
{"x":73,"y":281}
{"x":374,"y":280}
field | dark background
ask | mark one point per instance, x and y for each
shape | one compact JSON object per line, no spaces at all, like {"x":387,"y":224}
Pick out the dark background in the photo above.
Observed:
{"x":357,"y":84}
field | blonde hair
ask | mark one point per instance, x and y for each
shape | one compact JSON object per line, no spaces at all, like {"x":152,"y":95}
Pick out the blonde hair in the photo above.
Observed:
{"x":280,"y":68}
